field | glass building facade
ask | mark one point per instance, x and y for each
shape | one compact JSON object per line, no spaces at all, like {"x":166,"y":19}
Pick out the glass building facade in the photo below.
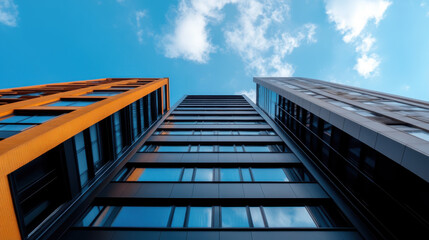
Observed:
{"x":353,"y":136}
{"x":225,"y":172}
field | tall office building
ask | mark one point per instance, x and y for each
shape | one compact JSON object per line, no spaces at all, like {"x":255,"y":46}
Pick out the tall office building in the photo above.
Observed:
{"x":372,"y":147}
{"x":216,"y":167}
{"x":60,"y":142}
{"x":108,"y":159}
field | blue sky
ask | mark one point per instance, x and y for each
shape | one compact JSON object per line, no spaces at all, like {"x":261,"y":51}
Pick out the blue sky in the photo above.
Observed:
{"x":218,"y":46}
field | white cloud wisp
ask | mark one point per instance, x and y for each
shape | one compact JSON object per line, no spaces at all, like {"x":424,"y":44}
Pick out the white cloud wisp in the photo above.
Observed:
{"x":351,"y":19}
{"x":251,"y":94}
{"x":8,"y":13}
{"x":258,"y":34}
{"x":190,"y":39}
{"x":262,"y":49}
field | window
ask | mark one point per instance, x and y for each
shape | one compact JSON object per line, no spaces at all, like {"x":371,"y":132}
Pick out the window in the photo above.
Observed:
{"x":178,"y":217}
{"x":296,"y":174}
{"x":39,"y":188}
{"x":213,"y":122}
{"x":142,"y":217}
{"x":234,"y":217}
{"x":156,"y":174}
{"x":213,"y":132}
{"x":257,"y":219}
{"x":64,"y":103}
{"x":214,"y":148}
{"x":103,"y":93}
{"x":95,"y":147}
{"x":200,"y":217}
{"x":269,"y":175}
{"x":288,"y":217}
{"x":81,"y":158}
{"x":117,"y":131}
{"x":205,"y":217}
{"x":204,"y":175}
{"x":15,"y":124}
{"x":230,"y":174}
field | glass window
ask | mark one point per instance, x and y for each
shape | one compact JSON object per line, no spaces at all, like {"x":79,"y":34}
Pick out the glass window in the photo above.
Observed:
{"x":257,"y":219}
{"x":81,"y":158}
{"x":226,"y":149}
{"x":269,"y":175}
{"x":288,"y":217}
{"x":204,"y":175}
{"x":14,"y":119}
{"x":160,"y":174}
{"x":103,"y":93}
{"x":194,"y":149}
{"x":93,"y":133}
{"x":200,"y":217}
{"x":142,"y":217}
{"x":178,"y":217}
{"x":10,"y":127}
{"x":187,"y":174}
{"x":250,"y":148}
{"x":224,"y":133}
{"x":117,"y":131}
{"x":62,"y":103}
{"x":91,"y":215}
{"x":27,"y":119}
{"x":246,"y":175}
{"x":206,"y":148}
{"x":207,"y":133}
{"x":229,"y":175}
{"x":239,"y":148}
{"x":172,"y":148}
{"x":234,"y":217}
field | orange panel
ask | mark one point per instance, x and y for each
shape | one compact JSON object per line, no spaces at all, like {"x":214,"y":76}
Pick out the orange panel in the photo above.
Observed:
{"x":20,"y":149}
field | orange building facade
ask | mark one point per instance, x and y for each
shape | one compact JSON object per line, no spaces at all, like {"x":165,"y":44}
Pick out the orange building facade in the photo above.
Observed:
{"x":58,"y":140}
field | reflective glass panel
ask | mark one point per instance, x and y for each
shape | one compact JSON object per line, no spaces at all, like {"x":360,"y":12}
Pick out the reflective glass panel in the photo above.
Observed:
{"x":172,"y":148}
{"x":160,"y":174}
{"x":178,"y":217}
{"x":229,"y":174}
{"x":200,"y":217}
{"x":246,"y":175}
{"x":14,"y":119}
{"x":11,"y":127}
{"x":204,"y":148}
{"x":204,"y":174}
{"x":257,"y":219}
{"x":269,"y":175}
{"x":37,"y":119}
{"x":250,"y":148}
{"x":142,"y":217}
{"x":288,"y":217}
{"x":234,"y":217}
{"x":187,"y":174}
{"x":226,"y":149}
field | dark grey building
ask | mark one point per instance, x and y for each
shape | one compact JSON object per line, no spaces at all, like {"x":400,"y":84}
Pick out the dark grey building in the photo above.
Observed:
{"x":372,"y":147}
{"x":216,"y":167}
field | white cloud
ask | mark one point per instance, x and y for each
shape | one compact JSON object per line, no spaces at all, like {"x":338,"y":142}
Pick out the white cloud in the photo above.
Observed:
{"x":351,"y":18}
{"x":247,"y":35}
{"x":8,"y":13}
{"x":251,"y":94}
{"x":262,"y":49}
{"x":139,"y":16}
{"x":366,"y":66}
{"x":190,"y":39}
{"x":365,"y":44}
